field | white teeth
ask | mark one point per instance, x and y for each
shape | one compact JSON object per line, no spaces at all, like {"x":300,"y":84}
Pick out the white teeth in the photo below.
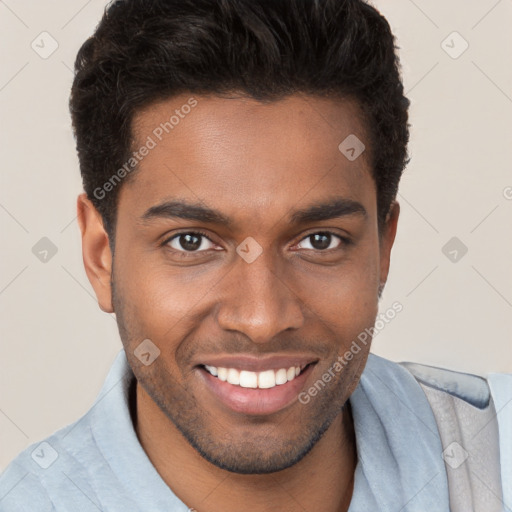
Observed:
{"x":248,"y":379}
{"x":281,"y":376}
{"x":267,"y":379}
{"x":262,"y":380}
{"x":234,"y":376}
{"x":212,"y":370}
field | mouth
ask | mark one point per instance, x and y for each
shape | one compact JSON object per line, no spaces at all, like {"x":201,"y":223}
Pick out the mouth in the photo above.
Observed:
{"x":256,"y":392}
{"x":265,"y":379}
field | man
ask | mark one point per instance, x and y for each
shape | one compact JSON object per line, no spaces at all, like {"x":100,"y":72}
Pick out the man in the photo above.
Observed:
{"x":240,"y":161}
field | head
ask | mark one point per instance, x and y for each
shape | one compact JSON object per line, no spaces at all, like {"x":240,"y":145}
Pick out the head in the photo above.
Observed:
{"x":240,"y":161}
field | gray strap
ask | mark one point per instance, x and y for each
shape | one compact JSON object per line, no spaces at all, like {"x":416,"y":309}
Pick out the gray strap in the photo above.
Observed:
{"x":469,"y":436}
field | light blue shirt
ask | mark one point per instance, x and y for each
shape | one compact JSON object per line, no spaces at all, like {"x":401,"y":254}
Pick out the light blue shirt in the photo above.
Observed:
{"x":98,"y":464}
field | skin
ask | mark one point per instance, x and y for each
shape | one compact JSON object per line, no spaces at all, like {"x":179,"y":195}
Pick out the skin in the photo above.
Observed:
{"x":264,"y":161}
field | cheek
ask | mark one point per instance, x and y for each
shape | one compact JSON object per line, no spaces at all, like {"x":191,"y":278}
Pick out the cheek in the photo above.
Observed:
{"x":345,"y":296}
{"x":157,"y":296}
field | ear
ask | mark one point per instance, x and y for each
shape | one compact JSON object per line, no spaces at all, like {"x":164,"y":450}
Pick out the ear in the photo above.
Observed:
{"x":96,"y":252}
{"x":387,"y":238}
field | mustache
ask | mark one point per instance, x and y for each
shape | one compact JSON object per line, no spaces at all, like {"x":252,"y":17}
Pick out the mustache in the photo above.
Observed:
{"x":240,"y":344}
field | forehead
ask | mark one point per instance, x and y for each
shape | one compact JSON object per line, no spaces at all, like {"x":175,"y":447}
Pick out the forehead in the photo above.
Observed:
{"x":247,"y":155}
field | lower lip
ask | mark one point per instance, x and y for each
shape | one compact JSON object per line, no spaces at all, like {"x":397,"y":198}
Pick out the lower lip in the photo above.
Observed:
{"x":255,"y":401}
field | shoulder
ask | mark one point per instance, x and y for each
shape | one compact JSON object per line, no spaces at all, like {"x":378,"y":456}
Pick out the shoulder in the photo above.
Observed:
{"x":21,"y":490}
{"x":49,"y":471}
{"x":474,"y":417}
{"x":71,"y":469}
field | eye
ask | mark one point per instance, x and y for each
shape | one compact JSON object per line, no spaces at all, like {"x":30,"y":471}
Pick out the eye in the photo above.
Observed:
{"x":190,"y":242}
{"x":321,"y":241}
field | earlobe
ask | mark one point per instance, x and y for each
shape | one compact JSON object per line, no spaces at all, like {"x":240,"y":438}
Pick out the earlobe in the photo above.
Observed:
{"x":96,"y":253}
{"x":387,"y":239}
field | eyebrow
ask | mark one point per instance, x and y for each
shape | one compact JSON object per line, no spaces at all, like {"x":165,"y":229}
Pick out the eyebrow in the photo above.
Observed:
{"x":334,"y":208}
{"x":184,"y":210}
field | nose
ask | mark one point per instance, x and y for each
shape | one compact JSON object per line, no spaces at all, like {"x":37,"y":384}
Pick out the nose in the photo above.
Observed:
{"x":258,"y":301}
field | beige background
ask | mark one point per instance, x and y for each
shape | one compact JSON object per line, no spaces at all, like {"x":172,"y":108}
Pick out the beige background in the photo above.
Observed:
{"x":56,"y":345}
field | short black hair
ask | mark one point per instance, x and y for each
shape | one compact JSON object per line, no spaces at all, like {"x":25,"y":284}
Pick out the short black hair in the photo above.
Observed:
{"x":144,"y":51}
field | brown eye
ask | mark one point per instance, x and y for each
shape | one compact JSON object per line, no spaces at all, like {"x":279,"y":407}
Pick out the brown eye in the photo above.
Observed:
{"x":320,"y":241}
{"x":190,"y":242}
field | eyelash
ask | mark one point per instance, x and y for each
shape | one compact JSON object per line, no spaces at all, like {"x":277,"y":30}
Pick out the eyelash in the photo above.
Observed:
{"x":344,"y":241}
{"x":176,"y":235}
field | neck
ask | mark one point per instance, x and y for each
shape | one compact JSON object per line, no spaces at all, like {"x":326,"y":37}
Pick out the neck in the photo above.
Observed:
{"x":322,"y":479}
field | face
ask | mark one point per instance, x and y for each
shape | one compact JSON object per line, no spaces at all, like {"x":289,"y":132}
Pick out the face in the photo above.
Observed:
{"x":248,"y":251}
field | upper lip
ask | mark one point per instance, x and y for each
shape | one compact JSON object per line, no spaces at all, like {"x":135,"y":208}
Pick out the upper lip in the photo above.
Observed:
{"x":258,"y":364}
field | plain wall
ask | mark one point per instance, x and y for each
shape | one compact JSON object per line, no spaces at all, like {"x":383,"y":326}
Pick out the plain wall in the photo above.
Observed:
{"x":56,"y":344}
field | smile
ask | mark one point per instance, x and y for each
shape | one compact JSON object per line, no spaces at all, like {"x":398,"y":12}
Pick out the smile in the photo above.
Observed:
{"x":257,"y":391}
{"x":262,"y":380}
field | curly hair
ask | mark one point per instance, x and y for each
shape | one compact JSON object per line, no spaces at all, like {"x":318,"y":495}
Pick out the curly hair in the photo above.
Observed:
{"x":145,"y":51}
